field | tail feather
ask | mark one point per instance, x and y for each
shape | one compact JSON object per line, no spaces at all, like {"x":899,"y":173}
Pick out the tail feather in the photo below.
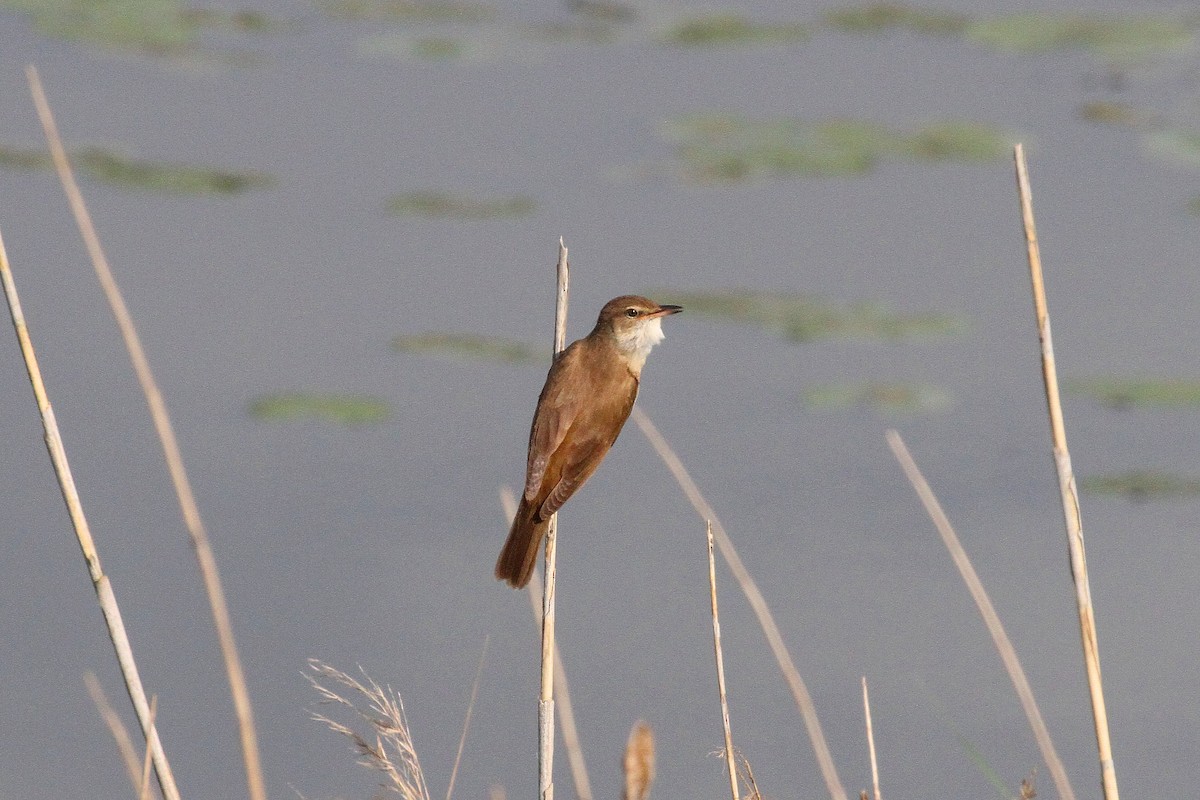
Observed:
{"x":519,"y":554}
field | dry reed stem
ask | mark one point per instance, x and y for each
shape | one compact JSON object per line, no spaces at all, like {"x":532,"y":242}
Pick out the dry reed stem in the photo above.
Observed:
{"x":166,"y":434}
{"x":638,"y":762}
{"x":546,"y":697}
{"x":562,"y":692}
{"x":144,"y":786}
{"x":1004,"y":646}
{"x":870,"y":739}
{"x":462,"y":739}
{"x":766,"y":619}
{"x":1066,"y":485}
{"x":115,"y":725}
{"x":100,"y":582}
{"x":716,"y":620}
{"x":392,"y":752}
{"x":748,"y":778}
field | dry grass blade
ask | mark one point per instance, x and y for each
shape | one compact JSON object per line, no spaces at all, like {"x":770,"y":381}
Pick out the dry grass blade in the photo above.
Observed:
{"x":1066,"y":485}
{"x":83,"y":534}
{"x":870,"y":739}
{"x":758,"y":603}
{"x":462,"y":740}
{"x":166,"y":434}
{"x":116,"y":727}
{"x":1004,"y":646}
{"x":716,"y":620}
{"x":752,"y":792}
{"x":638,"y":762}
{"x":562,"y":691}
{"x":388,"y":747}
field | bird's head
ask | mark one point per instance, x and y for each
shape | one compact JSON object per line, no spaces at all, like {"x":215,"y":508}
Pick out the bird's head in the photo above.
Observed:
{"x":635,"y":324}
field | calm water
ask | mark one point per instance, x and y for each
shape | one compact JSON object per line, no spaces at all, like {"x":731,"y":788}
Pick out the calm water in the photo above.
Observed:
{"x":373,"y":545}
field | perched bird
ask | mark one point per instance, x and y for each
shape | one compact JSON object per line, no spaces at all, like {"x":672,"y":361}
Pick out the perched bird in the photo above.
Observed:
{"x":588,"y":395}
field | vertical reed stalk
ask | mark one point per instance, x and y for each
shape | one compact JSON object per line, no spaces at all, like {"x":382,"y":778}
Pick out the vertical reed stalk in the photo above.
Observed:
{"x":871,"y":740}
{"x":66,"y":484}
{"x":562,"y":691}
{"x":1004,"y":645}
{"x":546,"y":698}
{"x":712,"y":594}
{"x":166,"y":434}
{"x":1066,"y":485}
{"x":758,"y":603}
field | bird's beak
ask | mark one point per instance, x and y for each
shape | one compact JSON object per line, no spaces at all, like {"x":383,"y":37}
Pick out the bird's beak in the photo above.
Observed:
{"x":665,"y":311}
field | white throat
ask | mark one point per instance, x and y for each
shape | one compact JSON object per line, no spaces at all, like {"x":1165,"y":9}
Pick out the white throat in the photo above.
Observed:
{"x":638,"y":342}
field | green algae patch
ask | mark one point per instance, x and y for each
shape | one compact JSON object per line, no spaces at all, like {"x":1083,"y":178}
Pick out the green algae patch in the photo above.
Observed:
{"x":1126,"y":393}
{"x":1142,"y":485}
{"x":407,"y":10}
{"x":801,"y":318}
{"x":881,"y":396}
{"x":347,"y":409}
{"x":883,"y":17}
{"x":1122,"y":38}
{"x":717,"y":30}
{"x":148,"y":27}
{"x":470,"y":346}
{"x":459,"y":206}
{"x":714,"y":148}
{"x":109,"y":166}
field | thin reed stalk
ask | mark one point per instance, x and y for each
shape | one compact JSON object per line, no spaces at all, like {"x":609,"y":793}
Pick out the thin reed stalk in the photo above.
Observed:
{"x":116,"y":727}
{"x":716,"y":619}
{"x":166,"y":434}
{"x":144,"y":785}
{"x":1004,"y":646}
{"x":546,"y":697}
{"x":100,"y":582}
{"x":870,"y":740}
{"x":562,"y":691}
{"x":1066,"y":486}
{"x":462,"y":739}
{"x":758,"y":603}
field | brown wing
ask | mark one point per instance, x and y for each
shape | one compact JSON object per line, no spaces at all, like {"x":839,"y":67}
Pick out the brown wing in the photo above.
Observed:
{"x":554,"y":416}
{"x":575,"y":462}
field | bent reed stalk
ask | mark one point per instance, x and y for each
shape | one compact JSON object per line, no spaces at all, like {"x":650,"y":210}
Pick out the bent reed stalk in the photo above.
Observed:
{"x":166,"y":433}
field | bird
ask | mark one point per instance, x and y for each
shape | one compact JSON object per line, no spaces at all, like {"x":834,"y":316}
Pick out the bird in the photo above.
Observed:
{"x":588,"y":395}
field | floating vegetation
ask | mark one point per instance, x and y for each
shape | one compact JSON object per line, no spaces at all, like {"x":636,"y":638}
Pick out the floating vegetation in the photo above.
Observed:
{"x":112,"y":167}
{"x":1142,"y":485}
{"x":725,"y":148}
{"x":149,"y":27}
{"x":1125,"y":393}
{"x":880,"y":17}
{"x":466,"y":345}
{"x":1123,"y":38}
{"x":1112,"y":113}
{"x":457,"y":206}
{"x":1175,"y":144}
{"x":725,"y":29}
{"x":801,"y":318}
{"x":408,"y":10}
{"x":896,"y":397}
{"x":608,"y":11}
{"x":347,"y":409}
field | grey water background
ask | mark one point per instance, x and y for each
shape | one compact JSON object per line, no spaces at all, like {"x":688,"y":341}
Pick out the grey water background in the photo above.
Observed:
{"x":373,"y":545}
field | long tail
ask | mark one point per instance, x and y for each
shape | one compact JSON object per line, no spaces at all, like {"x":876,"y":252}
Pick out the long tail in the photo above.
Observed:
{"x":519,"y":554}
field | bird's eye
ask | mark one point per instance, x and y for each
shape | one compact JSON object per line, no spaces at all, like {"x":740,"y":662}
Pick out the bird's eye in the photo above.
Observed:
{"x":631,"y":312}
